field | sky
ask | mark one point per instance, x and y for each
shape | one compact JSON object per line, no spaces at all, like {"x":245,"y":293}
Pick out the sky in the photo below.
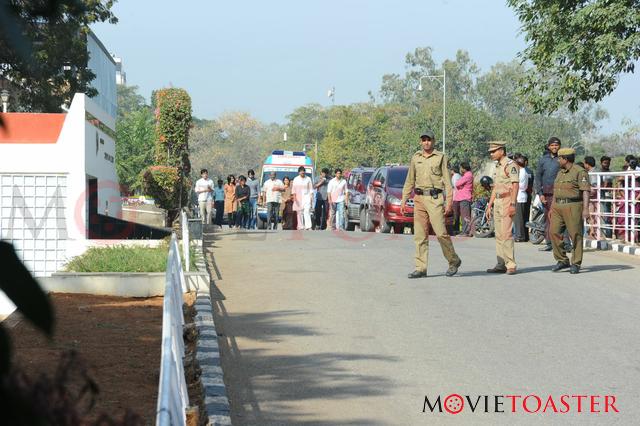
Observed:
{"x":270,"y":57}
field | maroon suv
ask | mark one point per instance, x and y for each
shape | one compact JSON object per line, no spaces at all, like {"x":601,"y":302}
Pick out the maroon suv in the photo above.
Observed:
{"x":381,"y":206}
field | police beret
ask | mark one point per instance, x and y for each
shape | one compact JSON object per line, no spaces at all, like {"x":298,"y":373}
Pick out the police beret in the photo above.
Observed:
{"x":566,"y":151}
{"x":493,"y":145}
{"x":428,"y":133}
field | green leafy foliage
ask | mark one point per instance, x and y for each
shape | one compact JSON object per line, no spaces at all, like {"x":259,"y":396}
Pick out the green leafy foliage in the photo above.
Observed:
{"x":43,"y":49}
{"x":135,"y":138}
{"x":173,"y":121}
{"x":122,"y":258}
{"x":578,"y":49}
{"x":163,"y":184}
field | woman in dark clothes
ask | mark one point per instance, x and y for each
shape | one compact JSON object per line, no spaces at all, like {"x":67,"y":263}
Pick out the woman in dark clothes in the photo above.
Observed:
{"x":288,"y":215}
{"x":242,"y":198}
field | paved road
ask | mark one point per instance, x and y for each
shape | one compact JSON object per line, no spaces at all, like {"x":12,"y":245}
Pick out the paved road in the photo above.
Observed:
{"x":320,"y":329}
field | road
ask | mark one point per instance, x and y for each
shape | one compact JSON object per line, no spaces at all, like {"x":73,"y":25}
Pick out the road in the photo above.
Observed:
{"x":319,"y":328}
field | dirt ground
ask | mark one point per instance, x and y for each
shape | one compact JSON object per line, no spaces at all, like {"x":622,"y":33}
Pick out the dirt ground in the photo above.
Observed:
{"x":119,"y":340}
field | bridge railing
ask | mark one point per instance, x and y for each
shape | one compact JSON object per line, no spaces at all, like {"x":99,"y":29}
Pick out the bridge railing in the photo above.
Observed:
{"x":172,"y":390}
{"x":615,"y":206}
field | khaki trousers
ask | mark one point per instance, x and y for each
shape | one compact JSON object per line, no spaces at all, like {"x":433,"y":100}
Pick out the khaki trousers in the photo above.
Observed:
{"x":503,"y":225}
{"x":570,"y":216}
{"x":428,"y":211}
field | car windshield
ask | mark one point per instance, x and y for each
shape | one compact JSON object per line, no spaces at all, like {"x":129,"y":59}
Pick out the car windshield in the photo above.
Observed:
{"x":397,"y":176}
{"x":365,"y":177}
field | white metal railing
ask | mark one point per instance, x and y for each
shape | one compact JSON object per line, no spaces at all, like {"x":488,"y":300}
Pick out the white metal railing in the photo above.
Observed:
{"x":185,"y":240}
{"x":172,"y":390}
{"x":615,"y":206}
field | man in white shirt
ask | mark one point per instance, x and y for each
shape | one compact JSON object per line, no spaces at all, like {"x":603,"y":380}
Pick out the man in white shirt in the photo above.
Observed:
{"x":272,"y":194}
{"x":523,"y":203}
{"x":204,"y":189}
{"x":302,"y":190}
{"x":338,"y":195}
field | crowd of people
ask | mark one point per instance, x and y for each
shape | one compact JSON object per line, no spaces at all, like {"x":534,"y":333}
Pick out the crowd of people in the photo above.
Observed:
{"x":288,"y":201}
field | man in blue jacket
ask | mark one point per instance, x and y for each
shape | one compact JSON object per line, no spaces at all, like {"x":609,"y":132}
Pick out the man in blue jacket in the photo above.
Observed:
{"x":546,"y":172}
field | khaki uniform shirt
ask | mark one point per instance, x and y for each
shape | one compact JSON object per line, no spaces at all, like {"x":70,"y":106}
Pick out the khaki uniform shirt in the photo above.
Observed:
{"x":426,"y":172}
{"x":569,"y":183}
{"x":506,"y":173}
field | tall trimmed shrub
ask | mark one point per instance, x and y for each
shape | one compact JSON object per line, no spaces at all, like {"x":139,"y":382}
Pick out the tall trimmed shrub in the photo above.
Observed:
{"x":173,"y":121}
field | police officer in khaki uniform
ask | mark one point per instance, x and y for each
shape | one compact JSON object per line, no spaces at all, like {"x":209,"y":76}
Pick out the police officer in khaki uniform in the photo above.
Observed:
{"x":503,"y":197}
{"x":428,"y":178}
{"x":570,"y":207}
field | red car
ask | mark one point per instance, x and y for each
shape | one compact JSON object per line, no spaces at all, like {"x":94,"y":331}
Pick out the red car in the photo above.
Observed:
{"x":381,"y":206}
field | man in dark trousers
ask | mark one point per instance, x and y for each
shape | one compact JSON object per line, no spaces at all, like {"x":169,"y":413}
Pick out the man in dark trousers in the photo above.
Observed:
{"x":546,"y":173}
{"x":570,"y":209}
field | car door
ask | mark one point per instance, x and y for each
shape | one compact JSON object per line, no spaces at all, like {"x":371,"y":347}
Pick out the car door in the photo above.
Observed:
{"x":378,"y":193}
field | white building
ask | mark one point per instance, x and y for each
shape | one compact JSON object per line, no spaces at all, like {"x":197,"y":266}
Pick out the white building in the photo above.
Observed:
{"x":57,"y":173}
{"x":121,"y":76}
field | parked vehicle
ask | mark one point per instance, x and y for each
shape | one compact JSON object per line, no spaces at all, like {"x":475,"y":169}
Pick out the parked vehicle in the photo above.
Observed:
{"x":357,"y":184}
{"x":481,"y":227}
{"x":284,"y":163}
{"x":381,"y":205}
{"x":536,"y":224}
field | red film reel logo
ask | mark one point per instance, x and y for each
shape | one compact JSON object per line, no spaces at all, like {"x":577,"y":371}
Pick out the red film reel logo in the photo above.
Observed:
{"x":453,"y":403}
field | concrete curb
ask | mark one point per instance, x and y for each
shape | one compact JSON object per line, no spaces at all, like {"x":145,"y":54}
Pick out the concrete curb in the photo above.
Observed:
{"x":208,"y":355}
{"x":608,"y":245}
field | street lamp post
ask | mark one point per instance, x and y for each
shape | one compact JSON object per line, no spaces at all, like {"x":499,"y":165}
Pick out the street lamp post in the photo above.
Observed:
{"x":442,"y":78}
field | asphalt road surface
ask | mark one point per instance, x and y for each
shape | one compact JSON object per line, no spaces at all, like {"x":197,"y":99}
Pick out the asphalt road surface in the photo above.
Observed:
{"x":319,"y":328}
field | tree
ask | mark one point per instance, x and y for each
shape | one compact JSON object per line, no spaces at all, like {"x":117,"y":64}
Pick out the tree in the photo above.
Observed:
{"x":129,"y":100}
{"x":233,"y":144}
{"x":43,"y":49}
{"x":578,"y":49}
{"x":135,"y":138}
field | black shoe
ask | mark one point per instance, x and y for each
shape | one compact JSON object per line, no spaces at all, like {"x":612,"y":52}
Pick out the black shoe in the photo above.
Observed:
{"x":418,"y":274}
{"x":497,"y":270}
{"x":574,"y":269}
{"x":546,"y":248}
{"x":560,"y":266}
{"x":453,"y":269}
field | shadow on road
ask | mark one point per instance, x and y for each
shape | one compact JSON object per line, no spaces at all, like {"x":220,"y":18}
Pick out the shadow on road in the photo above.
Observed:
{"x":285,"y":380}
{"x":542,"y":268}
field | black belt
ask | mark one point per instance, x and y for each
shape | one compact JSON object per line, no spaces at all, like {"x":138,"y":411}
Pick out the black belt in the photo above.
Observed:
{"x":430,"y":191}
{"x":568,"y":200}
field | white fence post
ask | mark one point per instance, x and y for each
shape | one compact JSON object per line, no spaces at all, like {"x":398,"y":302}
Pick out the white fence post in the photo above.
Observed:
{"x":185,"y":240}
{"x":173,"y":399}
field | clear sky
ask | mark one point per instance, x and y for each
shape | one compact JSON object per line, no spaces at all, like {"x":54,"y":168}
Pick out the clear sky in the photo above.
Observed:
{"x":269,"y":57}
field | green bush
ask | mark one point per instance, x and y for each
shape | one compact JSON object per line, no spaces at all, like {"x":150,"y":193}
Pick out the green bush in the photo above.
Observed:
{"x":163,"y":184}
{"x":173,"y":121}
{"x":121,"y":258}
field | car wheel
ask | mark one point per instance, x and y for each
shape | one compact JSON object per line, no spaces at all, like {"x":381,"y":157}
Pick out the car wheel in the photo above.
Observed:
{"x":351,"y":226}
{"x":385,"y":227}
{"x":366,"y":224}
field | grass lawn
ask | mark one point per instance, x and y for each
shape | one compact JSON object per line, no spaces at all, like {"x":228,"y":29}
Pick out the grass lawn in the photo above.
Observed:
{"x":122,"y":258}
